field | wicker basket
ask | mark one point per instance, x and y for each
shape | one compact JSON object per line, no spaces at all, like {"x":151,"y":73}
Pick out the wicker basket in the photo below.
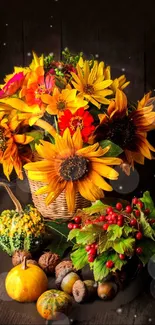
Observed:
{"x":58,"y":209}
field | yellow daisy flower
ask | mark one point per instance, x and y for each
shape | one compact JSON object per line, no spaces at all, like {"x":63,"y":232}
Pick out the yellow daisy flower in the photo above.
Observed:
{"x":60,"y":101}
{"x":91,"y":84}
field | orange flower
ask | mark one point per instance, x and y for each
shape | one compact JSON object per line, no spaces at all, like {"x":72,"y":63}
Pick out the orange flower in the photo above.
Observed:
{"x":10,"y":145}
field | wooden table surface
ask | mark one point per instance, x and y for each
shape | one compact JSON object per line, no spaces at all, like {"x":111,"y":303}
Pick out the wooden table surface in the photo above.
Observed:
{"x":140,"y":311}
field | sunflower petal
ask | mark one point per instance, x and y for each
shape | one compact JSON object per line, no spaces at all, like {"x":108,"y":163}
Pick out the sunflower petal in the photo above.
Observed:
{"x":104,"y":170}
{"x":70,"y":192}
{"x":99,"y":181}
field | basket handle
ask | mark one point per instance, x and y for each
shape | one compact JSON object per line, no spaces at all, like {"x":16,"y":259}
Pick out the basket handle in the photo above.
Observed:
{"x":12,"y":197}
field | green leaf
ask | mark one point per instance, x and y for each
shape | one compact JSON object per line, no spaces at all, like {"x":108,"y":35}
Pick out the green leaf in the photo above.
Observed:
{"x":73,"y":233}
{"x":147,"y":230}
{"x":124,"y":245}
{"x":37,"y":135}
{"x":59,"y":245}
{"x":88,"y":234}
{"x":127,"y":230}
{"x":97,"y":207}
{"x":102,"y":243}
{"x":79,"y":258}
{"x":118,"y":263}
{"x":99,"y":266}
{"x":59,"y":242}
{"x":149,"y":204}
{"x":114,"y":231}
{"x":148,"y":247}
{"x":114,"y":150}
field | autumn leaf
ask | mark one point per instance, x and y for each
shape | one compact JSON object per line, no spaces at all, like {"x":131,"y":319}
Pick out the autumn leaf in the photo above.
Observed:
{"x":149,"y":204}
{"x":148,"y":247}
{"x":124,"y":245}
{"x":79,"y":258}
{"x":97,"y":207}
{"x":88,"y":234}
{"x":146,"y":228}
{"x":99,"y":266}
{"x":73,"y":233}
{"x":127,"y":230}
{"x":114,"y":231}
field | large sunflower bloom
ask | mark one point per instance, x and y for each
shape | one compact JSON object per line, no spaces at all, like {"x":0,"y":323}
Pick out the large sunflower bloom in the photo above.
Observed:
{"x":10,"y":142}
{"x":60,"y":101}
{"x":128,"y":129}
{"x":67,"y":166}
{"x":91,"y":84}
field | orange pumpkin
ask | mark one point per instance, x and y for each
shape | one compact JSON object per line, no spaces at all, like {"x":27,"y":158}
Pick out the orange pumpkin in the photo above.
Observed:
{"x":53,"y":302}
{"x":25,"y":283}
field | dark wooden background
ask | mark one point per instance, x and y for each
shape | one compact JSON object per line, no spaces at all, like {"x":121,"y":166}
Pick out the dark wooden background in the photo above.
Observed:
{"x":122,"y":33}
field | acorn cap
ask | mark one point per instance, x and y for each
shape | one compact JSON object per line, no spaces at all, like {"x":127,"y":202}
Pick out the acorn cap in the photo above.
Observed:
{"x":62,"y":274}
{"x":79,"y":291}
{"x":64,"y":266}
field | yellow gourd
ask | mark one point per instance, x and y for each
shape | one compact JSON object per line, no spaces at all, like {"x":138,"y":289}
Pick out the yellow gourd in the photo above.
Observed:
{"x":25,"y":283}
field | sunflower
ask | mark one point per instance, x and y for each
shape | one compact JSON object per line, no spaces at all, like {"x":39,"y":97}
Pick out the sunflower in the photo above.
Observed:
{"x":60,"y":101}
{"x":91,"y":84}
{"x":10,"y":142}
{"x":128,"y":129}
{"x":67,"y":166}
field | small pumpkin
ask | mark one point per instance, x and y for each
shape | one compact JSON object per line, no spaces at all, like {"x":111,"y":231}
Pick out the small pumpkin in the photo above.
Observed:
{"x":26,"y":282}
{"x":52,"y":302}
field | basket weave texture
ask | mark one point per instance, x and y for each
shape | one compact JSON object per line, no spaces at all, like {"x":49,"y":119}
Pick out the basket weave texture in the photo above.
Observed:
{"x":58,"y":209}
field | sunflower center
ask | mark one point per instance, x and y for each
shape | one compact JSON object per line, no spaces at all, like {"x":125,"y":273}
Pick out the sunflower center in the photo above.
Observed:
{"x":74,"y":168}
{"x":89,"y":89}
{"x":120,"y":131}
{"x":2,"y":140}
{"x":76,"y":122}
{"x":61,"y":105}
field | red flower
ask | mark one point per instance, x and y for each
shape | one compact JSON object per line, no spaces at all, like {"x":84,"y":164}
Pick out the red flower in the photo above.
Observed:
{"x":81,"y":118}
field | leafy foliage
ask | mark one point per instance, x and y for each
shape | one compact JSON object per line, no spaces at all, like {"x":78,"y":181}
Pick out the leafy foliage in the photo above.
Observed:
{"x":149,"y":204}
{"x":97,"y":207}
{"x":148,"y":247}
{"x":99,"y":267}
{"x":114,"y":150}
{"x":148,"y":231}
{"x":59,"y":242}
{"x":79,"y":258}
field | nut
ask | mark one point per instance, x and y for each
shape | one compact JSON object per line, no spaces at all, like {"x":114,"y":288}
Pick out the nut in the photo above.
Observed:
{"x":48,"y":261}
{"x":79,"y":291}
{"x":18,"y":257}
{"x":65,"y":265}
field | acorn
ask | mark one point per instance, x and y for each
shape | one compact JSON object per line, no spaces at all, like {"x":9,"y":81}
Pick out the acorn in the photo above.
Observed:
{"x":65,"y":282}
{"x":79,"y":291}
{"x":107,"y":290}
{"x":48,"y":261}
{"x":91,"y":288}
{"x":18,"y":257}
{"x":84,"y":290}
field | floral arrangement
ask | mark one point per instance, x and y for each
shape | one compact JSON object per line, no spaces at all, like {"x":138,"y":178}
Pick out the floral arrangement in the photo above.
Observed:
{"x":76,"y":121}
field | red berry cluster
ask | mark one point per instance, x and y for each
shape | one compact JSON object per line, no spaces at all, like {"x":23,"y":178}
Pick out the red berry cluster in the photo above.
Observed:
{"x":76,"y":224}
{"x":92,"y":252}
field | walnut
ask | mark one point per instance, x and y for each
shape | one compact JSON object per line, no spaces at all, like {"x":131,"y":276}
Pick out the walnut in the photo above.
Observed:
{"x":48,"y":261}
{"x":18,"y":257}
